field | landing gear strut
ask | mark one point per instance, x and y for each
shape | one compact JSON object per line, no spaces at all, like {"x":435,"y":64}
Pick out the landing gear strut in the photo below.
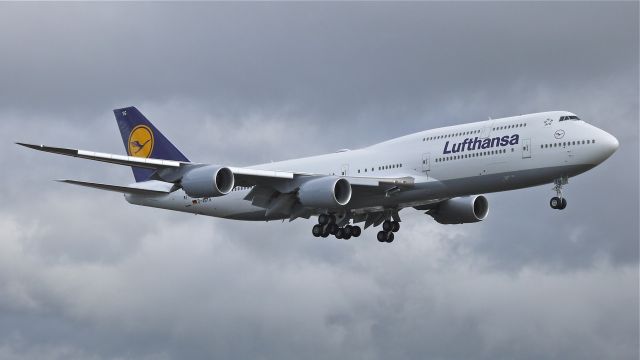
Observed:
{"x":559,"y":202}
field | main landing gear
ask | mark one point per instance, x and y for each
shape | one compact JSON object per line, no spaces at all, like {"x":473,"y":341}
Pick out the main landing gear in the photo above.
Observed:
{"x":327,"y":226}
{"x":388,"y":228}
{"x":558,"y":202}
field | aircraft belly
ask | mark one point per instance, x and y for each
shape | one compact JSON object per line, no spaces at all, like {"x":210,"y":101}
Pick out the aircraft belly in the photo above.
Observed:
{"x":233,"y":205}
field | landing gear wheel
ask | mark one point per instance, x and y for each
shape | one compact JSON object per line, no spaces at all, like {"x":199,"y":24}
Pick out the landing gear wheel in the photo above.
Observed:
{"x":332,"y":228}
{"x":382,"y":236}
{"x":323,"y":219}
{"x":340,"y":233}
{"x":325,"y":233}
{"x":387,"y":225}
{"x":396,"y":226}
{"x":555,"y":202}
{"x":356,"y":231}
{"x":332,"y":219}
{"x":316,"y":230}
{"x":563,"y":204}
{"x":348,"y":230}
{"x":390,"y":237}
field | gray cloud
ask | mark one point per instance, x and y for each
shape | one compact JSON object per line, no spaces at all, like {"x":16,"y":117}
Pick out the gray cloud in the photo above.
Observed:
{"x":85,"y":275}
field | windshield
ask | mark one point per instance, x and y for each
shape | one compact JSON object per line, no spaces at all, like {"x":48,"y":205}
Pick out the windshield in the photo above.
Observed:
{"x":569,"y":117}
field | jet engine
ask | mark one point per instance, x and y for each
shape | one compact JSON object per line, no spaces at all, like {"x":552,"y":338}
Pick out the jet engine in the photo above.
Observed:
{"x":208,"y":181}
{"x":325,"y":192}
{"x":461,"y":210}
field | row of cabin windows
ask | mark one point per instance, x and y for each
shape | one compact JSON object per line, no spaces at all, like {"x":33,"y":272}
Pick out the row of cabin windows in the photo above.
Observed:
{"x":472,"y":155}
{"x":451,"y":135}
{"x":465,"y":133}
{"x":567,"y":143}
{"x":383,"y":167}
{"x":510,"y":126}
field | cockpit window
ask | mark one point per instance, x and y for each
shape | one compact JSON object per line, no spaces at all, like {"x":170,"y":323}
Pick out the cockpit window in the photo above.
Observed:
{"x":569,"y":117}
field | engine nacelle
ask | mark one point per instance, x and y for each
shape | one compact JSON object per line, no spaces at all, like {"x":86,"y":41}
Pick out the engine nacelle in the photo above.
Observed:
{"x":208,"y":181}
{"x":325,"y":192}
{"x":461,"y":210}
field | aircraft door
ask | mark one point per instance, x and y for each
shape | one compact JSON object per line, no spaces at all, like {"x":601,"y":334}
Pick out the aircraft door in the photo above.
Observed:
{"x":526,"y":148}
{"x":426,"y":163}
{"x":485,"y":132}
{"x":345,"y":170}
{"x":569,"y":153}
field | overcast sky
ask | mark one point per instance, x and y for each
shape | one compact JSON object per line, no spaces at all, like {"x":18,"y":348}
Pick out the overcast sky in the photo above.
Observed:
{"x":84,"y":275}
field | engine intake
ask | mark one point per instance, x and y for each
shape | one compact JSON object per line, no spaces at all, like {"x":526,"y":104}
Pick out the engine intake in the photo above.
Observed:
{"x":461,"y":210}
{"x":325,"y":192}
{"x":208,"y":181}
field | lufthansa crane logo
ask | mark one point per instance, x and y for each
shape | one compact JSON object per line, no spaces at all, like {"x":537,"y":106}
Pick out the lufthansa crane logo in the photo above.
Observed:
{"x":141,"y":141}
{"x":559,"y":134}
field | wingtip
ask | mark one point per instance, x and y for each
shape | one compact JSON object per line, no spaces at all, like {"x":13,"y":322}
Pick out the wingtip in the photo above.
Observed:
{"x":31,"y":146}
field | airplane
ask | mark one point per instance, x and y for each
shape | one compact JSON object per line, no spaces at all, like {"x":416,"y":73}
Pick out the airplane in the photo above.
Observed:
{"x":442,"y":171}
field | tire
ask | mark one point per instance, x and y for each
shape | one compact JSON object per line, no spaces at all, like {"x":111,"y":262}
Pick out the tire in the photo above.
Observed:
{"x":382,"y":236}
{"x":340,"y":233}
{"x":563,"y":203}
{"x":396,"y":226}
{"x":347,"y":237}
{"x":348,"y":231}
{"x":316,"y":230}
{"x":323,"y":219}
{"x":332,"y":228}
{"x":332,"y":219}
{"x":356,"y":231}
{"x":325,"y":234}
{"x":390,"y":237}
{"x":387,"y":225}
{"x":555,"y":202}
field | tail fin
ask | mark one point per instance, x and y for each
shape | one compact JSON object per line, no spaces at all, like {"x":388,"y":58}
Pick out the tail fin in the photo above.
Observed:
{"x":142,"y":139}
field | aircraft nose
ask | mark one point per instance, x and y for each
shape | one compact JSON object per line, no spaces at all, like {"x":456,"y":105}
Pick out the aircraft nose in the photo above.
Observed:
{"x":612,"y":143}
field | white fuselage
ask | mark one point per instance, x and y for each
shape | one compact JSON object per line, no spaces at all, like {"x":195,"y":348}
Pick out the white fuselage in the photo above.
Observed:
{"x":480,"y":157}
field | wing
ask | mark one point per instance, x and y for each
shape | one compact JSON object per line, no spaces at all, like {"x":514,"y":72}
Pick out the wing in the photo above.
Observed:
{"x":275,"y":191}
{"x":167,"y":170}
{"x":155,"y":164}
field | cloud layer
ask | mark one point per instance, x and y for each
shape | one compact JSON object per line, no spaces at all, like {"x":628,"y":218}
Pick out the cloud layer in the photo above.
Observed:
{"x":85,"y":275}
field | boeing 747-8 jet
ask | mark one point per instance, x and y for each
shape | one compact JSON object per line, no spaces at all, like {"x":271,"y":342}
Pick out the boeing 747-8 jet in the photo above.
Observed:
{"x":441,"y":171}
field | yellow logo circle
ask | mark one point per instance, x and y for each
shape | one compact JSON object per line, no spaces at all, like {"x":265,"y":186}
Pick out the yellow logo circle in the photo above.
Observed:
{"x":141,"y":141}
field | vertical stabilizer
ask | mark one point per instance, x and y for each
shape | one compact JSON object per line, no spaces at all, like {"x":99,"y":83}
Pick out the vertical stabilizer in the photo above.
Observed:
{"x":142,"y":139}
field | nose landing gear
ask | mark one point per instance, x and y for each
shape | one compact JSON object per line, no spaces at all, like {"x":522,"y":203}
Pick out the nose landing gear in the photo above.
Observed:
{"x":558,"y":202}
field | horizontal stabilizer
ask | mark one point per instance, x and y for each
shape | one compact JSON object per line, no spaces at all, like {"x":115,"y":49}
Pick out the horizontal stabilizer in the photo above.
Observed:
{"x":139,"y":189}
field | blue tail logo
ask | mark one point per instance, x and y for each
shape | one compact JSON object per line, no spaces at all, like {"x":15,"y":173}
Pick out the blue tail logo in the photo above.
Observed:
{"x":141,"y":141}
